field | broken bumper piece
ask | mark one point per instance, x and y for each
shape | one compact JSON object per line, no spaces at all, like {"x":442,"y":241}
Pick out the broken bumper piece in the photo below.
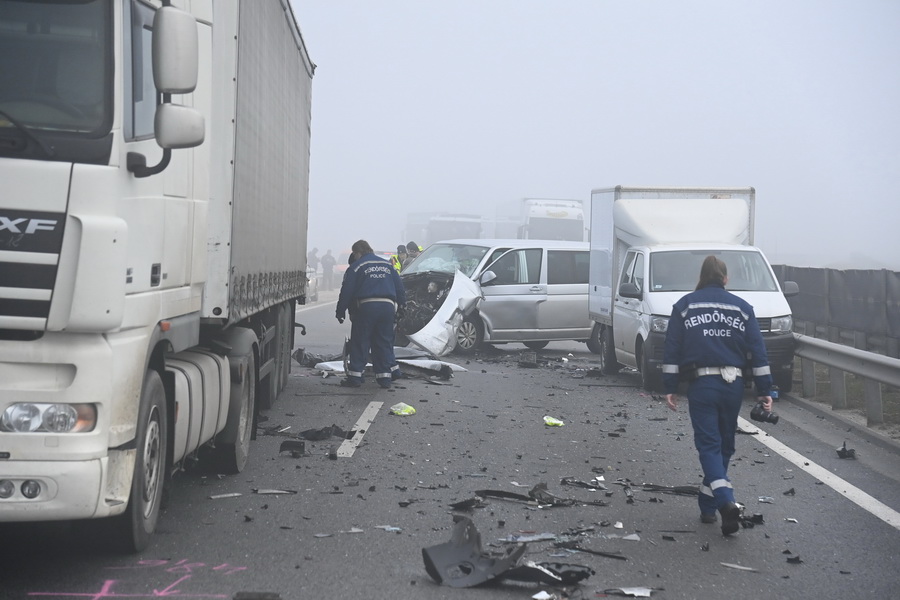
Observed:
{"x":462,"y":562}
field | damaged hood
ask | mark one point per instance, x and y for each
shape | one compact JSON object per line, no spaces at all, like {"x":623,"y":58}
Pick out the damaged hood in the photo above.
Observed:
{"x":438,"y":336}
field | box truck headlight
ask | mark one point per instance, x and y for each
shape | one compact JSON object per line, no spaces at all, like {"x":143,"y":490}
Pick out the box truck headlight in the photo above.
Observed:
{"x":27,"y":417}
{"x":659,"y":324}
{"x":782,"y":324}
{"x":7,"y":489}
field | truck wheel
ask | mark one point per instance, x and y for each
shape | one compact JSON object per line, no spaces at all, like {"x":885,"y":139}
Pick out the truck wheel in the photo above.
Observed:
{"x":650,"y":381}
{"x":785,"y":381}
{"x":470,"y":335}
{"x":231,"y":456}
{"x":608,"y":363}
{"x":593,"y":342}
{"x":133,"y":528}
{"x":536,"y":345}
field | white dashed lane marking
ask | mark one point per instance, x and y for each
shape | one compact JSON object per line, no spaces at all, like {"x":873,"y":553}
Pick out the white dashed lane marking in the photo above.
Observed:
{"x":842,"y":487}
{"x":348,"y":447}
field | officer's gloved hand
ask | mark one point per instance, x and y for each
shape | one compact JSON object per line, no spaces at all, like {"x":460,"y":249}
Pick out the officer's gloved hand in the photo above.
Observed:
{"x":401,"y":312}
{"x":339,"y":316}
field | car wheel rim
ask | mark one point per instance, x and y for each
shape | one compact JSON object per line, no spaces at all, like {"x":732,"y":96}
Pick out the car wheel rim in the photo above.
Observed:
{"x":466,"y":337}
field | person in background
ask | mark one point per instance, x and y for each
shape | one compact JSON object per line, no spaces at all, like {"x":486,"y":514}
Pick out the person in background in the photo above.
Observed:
{"x":312,"y":260}
{"x":710,"y":336}
{"x":397,"y":259}
{"x":412,"y":251}
{"x":372,"y":291}
{"x":328,"y":261}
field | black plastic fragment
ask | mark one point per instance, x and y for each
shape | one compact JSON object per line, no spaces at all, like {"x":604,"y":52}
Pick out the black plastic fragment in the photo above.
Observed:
{"x":845,"y":452}
{"x":461,"y":562}
{"x":324,"y":433}
{"x":549,"y":573}
{"x":295,"y":447}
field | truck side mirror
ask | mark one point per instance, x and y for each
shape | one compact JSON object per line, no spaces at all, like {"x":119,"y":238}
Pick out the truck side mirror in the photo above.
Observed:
{"x":175,"y":51}
{"x":629,"y":290}
{"x":790,"y":288}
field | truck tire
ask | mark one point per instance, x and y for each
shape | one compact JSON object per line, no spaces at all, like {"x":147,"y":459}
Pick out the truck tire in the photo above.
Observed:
{"x":133,"y":528}
{"x":536,"y":345}
{"x":650,"y":381}
{"x":470,"y":335}
{"x":230,"y":454}
{"x":608,"y":363}
{"x":593,"y":342}
{"x":785,"y":381}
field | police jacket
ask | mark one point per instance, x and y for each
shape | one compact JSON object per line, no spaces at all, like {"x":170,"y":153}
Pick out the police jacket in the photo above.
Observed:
{"x":712,"y":327}
{"x":369,"y":277}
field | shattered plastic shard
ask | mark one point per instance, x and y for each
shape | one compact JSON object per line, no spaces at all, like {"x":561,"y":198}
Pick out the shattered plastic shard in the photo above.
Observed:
{"x":552,"y":422}
{"x":462,"y":563}
{"x":402,"y":409}
{"x":845,"y":452}
{"x":549,"y":573}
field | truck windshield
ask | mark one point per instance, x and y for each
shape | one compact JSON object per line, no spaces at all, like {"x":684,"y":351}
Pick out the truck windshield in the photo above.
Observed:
{"x":448,"y":258}
{"x":55,"y":66}
{"x":678,"y":271}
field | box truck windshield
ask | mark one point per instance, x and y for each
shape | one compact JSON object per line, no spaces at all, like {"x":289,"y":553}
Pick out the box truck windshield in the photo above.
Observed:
{"x":677,"y":271}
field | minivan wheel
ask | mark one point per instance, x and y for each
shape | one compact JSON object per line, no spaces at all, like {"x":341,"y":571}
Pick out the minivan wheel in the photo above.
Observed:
{"x":470,"y":335}
{"x":536,"y":345}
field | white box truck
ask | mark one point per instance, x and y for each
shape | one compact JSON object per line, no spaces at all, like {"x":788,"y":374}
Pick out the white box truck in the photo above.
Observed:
{"x":647,"y":245}
{"x":153,"y":219}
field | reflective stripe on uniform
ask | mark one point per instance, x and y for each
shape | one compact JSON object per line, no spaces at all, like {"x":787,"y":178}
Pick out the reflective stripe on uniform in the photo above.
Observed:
{"x":670,"y":369}
{"x":382,"y":375}
{"x":706,"y":490}
{"x":355,"y":373}
{"x":720,"y":483}
{"x":718,"y":305}
{"x":757,"y":371}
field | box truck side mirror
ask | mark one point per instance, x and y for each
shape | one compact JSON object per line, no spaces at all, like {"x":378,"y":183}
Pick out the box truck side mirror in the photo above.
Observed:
{"x":629,"y":290}
{"x":790,"y":288}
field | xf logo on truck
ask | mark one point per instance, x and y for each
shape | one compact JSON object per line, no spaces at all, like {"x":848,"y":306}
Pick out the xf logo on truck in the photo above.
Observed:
{"x":31,"y":231}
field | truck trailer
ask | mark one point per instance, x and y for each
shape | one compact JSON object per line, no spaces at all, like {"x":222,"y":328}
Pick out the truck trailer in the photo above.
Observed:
{"x":647,"y":245}
{"x":153,"y":221}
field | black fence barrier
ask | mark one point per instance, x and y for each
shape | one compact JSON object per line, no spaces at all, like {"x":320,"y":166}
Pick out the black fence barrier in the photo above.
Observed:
{"x":851,"y":302}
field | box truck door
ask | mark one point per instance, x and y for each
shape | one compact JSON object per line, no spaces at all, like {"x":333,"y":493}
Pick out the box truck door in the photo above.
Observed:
{"x":627,"y":312}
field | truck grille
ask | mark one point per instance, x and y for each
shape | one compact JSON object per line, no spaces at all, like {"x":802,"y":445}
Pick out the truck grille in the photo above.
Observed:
{"x":30,"y":244}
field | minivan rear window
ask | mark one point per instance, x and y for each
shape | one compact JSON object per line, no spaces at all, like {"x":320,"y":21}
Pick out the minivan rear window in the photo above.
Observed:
{"x":567,"y":266}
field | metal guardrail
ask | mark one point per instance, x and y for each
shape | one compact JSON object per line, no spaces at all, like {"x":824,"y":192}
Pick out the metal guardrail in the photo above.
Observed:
{"x":875,"y":369}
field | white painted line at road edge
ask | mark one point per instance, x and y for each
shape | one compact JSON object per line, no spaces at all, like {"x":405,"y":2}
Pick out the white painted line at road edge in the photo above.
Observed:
{"x":851,"y":492}
{"x":348,"y":447}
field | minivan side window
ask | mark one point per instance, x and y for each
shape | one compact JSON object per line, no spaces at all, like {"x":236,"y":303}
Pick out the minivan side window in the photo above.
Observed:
{"x":518,"y":267}
{"x":567,"y":266}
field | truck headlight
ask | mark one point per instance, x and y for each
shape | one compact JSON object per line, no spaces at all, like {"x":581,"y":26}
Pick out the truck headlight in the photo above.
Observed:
{"x":782,"y":324}
{"x":25,"y":417}
{"x":659,"y":324}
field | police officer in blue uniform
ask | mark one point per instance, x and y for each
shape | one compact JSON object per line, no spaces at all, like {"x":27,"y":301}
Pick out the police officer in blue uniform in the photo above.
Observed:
{"x":372,"y":292}
{"x":712,"y":336}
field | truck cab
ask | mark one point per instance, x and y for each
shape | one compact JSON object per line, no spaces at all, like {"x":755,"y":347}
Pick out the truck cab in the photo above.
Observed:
{"x":653,"y":278}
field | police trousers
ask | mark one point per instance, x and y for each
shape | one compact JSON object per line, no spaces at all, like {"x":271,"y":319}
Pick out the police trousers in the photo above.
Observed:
{"x":372,"y":329}
{"x":714,"y":405}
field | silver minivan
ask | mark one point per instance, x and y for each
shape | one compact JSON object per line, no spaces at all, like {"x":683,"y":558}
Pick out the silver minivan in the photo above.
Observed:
{"x":532,"y":291}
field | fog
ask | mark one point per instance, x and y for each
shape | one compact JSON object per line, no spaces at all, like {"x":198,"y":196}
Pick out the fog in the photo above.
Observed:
{"x":458,"y":106}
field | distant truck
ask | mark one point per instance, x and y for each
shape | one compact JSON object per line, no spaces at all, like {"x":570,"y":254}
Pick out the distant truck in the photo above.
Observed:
{"x":153,"y":221}
{"x":449,"y":226}
{"x":647,"y":245}
{"x":549,"y":219}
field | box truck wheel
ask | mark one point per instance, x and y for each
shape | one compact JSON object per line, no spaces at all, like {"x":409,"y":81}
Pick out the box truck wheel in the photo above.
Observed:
{"x":784,"y":380}
{"x":470,"y":334}
{"x":650,"y":380}
{"x":133,"y":528}
{"x":233,"y":444}
{"x":608,"y":363}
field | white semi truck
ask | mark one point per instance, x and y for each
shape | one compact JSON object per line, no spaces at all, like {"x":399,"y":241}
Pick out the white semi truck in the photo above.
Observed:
{"x":153,"y":216}
{"x":647,"y":245}
{"x":550,"y":219}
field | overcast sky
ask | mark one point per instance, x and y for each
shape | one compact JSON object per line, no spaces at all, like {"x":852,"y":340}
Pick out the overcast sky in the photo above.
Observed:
{"x":459,"y":105}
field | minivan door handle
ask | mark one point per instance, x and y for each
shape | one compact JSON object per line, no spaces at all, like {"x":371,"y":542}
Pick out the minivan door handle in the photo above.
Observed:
{"x":536,"y":288}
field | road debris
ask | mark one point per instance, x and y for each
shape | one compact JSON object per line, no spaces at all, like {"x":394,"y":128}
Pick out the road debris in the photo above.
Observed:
{"x":220,"y":496}
{"x":552,"y":421}
{"x":635,"y":592}
{"x":297,"y":448}
{"x":462,"y":562}
{"x":845,"y":452}
{"x":738,"y":567}
{"x":402,"y":409}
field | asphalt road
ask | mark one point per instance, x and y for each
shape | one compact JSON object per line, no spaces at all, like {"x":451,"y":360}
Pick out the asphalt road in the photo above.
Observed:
{"x":353,"y":519}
